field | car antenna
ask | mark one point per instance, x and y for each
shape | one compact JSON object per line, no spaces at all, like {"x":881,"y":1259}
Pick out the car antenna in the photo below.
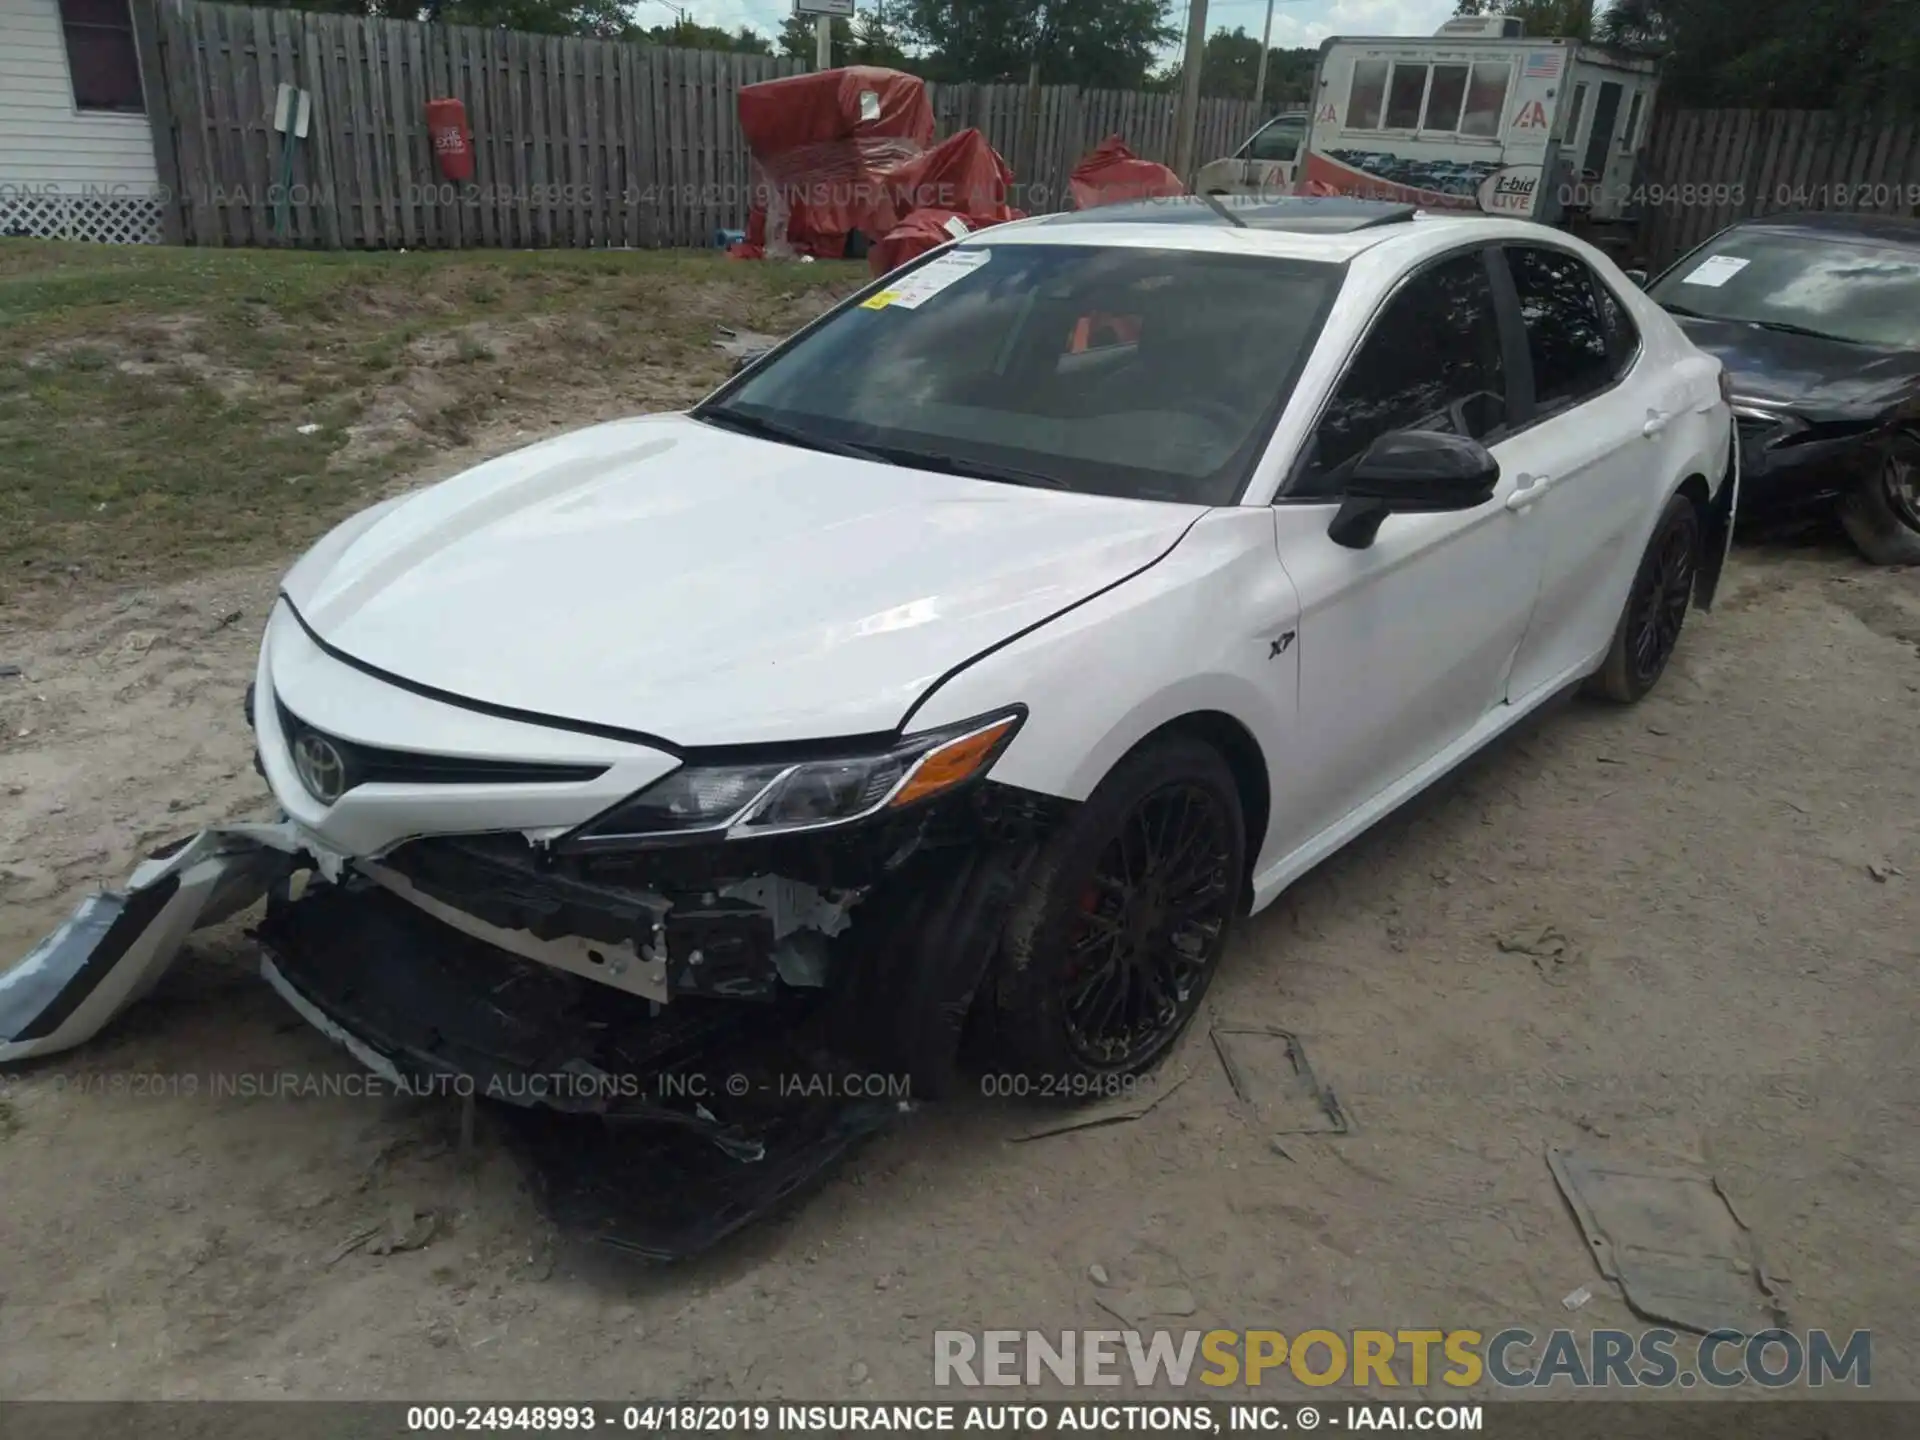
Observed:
{"x":1213,"y":204}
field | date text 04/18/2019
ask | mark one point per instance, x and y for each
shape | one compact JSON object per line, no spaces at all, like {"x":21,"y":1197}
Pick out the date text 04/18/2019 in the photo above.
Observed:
{"x":935,"y":1419}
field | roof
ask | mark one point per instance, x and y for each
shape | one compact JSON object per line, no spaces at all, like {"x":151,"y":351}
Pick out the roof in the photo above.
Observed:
{"x":1303,"y":215}
{"x":1900,"y":229}
{"x":1343,"y":229}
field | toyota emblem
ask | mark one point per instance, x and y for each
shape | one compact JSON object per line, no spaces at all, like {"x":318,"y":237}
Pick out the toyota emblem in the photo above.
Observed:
{"x":321,"y":766}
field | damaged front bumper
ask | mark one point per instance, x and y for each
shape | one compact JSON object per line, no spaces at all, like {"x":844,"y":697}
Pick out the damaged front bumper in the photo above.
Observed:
{"x":116,"y":945}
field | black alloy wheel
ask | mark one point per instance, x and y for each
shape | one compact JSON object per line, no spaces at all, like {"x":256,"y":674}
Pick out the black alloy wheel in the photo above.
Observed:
{"x":1656,"y":608}
{"x":1150,"y":926}
{"x":1127,"y":912}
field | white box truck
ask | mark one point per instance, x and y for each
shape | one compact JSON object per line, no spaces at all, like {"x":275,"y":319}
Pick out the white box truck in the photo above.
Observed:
{"x":1478,"y":116}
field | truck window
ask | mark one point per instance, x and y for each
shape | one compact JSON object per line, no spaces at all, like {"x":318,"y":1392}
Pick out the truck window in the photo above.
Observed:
{"x":1367,"y":94}
{"x":1444,"y":98}
{"x":1279,"y":140}
{"x":1405,"y":95}
{"x":1486,"y":99}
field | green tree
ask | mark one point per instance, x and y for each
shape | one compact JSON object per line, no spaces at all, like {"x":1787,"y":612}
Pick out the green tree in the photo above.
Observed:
{"x":1230,"y":69}
{"x":1572,"y":19}
{"x":797,"y":38}
{"x":1104,"y":44}
{"x":870,"y":39}
{"x":1786,"y":54}
{"x":690,"y":35}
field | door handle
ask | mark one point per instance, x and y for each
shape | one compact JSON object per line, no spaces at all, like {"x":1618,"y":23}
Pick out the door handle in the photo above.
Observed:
{"x":1526,"y":490}
{"x":1657,"y":420}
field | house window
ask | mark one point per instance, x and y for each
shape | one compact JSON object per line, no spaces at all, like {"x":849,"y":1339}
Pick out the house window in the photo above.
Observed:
{"x":101,"y":56}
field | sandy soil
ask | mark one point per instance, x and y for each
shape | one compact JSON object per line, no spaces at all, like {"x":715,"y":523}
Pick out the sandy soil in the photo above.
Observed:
{"x":1738,"y":989}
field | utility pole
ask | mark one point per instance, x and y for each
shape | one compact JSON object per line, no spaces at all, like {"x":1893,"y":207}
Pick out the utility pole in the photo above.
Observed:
{"x":823,"y":42}
{"x":1190,"y":89}
{"x":1260,"y":75}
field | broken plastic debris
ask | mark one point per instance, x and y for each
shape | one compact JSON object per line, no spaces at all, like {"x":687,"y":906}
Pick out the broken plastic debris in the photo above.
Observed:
{"x":115,"y":945}
{"x":308,"y":429}
{"x":1578,"y":1298}
{"x":1671,"y":1239}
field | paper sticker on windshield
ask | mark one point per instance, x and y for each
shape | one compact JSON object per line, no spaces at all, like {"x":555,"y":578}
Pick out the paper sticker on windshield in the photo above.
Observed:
{"x":929,"y":280}
{"x":1715,"y":271}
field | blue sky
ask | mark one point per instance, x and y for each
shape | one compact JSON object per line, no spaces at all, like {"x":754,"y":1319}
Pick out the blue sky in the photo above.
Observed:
{"x":1295,"y":22}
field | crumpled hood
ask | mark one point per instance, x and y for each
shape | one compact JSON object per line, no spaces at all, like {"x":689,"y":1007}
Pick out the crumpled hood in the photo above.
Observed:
{"x":1817,"y":378}
{"x":676,"y":580}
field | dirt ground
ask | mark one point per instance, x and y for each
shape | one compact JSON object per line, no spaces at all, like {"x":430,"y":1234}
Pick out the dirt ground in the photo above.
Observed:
{"x":1734,"y":865}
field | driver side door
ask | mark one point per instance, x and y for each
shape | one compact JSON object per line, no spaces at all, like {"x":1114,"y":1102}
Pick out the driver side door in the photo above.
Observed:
{"x":1404,"y":645}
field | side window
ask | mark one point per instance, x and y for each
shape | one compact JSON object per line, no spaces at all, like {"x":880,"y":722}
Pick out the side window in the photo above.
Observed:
{"x":1432,"y":362}
{"x":1623,"y":336}
{"x":1279,"y":141}
{"x":1567,"y":332}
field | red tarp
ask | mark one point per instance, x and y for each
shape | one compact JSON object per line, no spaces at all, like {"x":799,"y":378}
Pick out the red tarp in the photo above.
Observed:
{"x":1112,"y":173}
{"x":823,"y":145}
{"x":961,"y":179}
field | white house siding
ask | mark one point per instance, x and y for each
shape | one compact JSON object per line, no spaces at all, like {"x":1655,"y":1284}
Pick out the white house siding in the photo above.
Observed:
{"x":65,"y":173}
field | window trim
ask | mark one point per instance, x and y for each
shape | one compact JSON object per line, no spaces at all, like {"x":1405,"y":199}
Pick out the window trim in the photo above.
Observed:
{"x":131,"y":31}
{"x":1507,"y":292}
{"x":1494,"y":262}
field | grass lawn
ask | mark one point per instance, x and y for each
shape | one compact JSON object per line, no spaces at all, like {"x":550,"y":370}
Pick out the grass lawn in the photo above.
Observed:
{"x":152,"y":399}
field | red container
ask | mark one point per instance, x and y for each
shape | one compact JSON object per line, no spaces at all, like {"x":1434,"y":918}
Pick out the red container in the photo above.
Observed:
{"x":452,"y":141}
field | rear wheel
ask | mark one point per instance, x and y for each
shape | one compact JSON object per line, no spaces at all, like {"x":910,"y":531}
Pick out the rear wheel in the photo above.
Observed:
{"x":1882,"y":513}
{"x":1656,"y":608}
{"x":1107,"y":955}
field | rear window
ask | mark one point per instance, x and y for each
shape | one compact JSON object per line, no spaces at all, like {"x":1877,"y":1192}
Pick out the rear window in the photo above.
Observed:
{"x":1147,"y":373}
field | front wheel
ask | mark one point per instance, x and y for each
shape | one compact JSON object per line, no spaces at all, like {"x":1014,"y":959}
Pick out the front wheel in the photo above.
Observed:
{"x":1656,"y":608}
{"x":1882,"y":512}
{"x":1109,"y":951}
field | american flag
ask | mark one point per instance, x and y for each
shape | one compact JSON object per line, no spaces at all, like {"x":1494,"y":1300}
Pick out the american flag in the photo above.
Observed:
{"x":1542,"y":65}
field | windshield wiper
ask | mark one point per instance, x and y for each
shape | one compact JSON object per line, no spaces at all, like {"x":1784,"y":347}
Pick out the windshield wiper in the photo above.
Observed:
{"x":1674,"y":307}
{"x":789,"y":434}
{"x":1787,"y":327}
{"x":971,"y":469}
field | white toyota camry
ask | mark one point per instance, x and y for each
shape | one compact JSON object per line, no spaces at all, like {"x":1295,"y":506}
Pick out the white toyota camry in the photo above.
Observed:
{"x":977,"y":655}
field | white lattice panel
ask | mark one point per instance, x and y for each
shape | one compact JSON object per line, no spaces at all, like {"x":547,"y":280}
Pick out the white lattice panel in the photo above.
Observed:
{"x":110,"y":219}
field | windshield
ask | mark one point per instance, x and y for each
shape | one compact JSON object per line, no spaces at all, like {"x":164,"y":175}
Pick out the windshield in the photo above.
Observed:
{"x":1144,"y":373}
{"x":1850,"y":289}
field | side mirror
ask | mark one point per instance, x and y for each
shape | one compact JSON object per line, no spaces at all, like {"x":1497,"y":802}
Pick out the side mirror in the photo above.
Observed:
{"x":1638,"y":277}
{"x":1413,"y":472}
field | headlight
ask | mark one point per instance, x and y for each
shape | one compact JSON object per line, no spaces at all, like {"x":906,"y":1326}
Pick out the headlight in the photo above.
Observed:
{"x":739,"y":802}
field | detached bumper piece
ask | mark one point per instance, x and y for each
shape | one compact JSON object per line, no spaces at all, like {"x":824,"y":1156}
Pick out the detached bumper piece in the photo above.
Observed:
{"x":656,"y":1130}
{"x":116,"y":945}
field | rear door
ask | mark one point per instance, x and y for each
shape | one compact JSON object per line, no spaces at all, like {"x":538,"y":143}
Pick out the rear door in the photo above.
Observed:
{"x":1588,"y":456}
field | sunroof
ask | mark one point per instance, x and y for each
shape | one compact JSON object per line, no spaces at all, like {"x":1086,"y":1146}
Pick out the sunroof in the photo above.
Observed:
{"x":1326,"y":215}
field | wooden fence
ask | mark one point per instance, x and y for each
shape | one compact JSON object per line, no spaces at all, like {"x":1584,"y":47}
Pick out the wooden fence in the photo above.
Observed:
{"x":1707,"y":168}
{"x":576,"y":142}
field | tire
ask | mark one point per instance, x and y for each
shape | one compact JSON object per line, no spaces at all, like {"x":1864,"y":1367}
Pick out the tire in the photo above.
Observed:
{"x":1169,"y":817}
{"x":922,"y":949}
{"x":1656,"y":608}
{"x":1881,"y":513}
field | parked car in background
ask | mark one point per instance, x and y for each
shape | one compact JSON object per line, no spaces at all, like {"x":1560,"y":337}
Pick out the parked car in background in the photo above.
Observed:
{"x":1817,"y":318}
{"x":1265,"y":165}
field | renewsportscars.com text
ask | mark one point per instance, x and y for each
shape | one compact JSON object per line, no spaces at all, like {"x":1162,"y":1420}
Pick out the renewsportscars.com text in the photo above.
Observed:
{"x":1512,"y":1358}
